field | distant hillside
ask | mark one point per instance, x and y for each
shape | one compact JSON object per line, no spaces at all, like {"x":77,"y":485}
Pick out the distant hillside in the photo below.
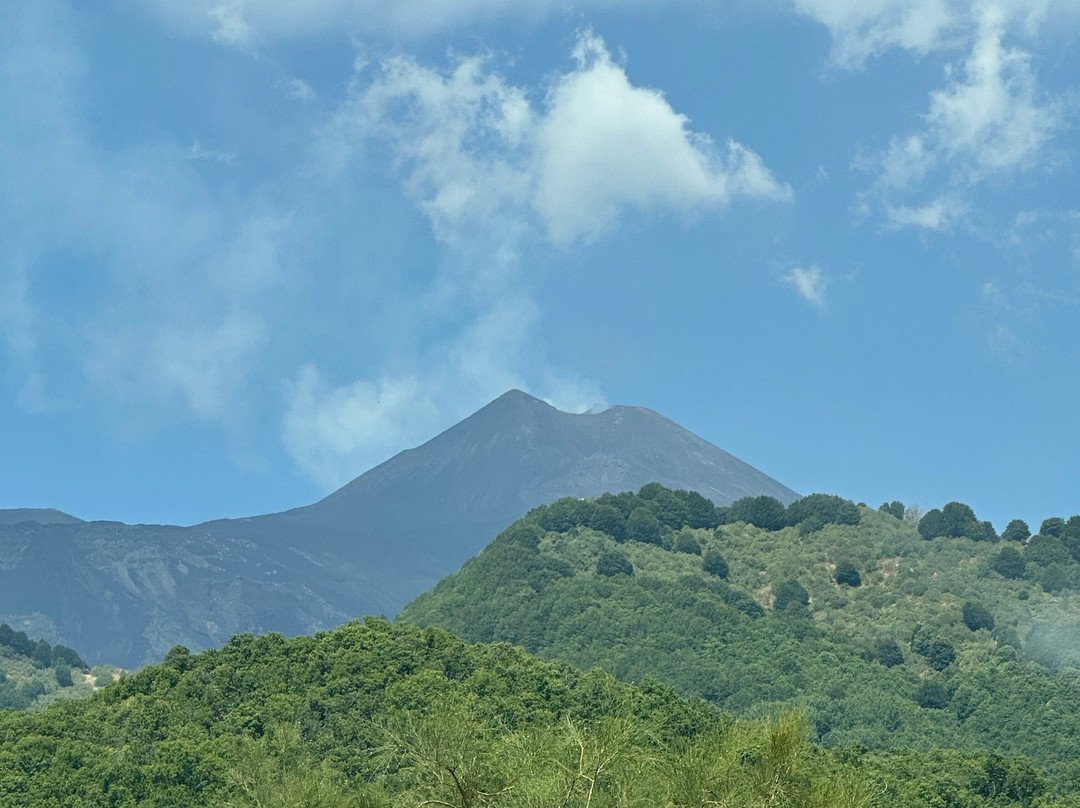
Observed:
{"x":34,"y":674}
{"x":43,"y":516}
{"x":125,"y":594}
{"x":891,"y":640}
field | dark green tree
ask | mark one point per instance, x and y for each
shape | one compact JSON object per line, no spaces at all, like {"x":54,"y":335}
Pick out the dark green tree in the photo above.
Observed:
{"x":941,"y":654}
{"x":714,"y":564}
{"x":1046,"y":550}
{"x":826,"y":509}
{"x":700,"y":512}
{"x":1056,"y":578}
{"x":607,"y":519}
{"x":685,"y":542}
{"x":847,"y":574}
{"x":1016,"y":530}
{"x":765,"y":512}
{"x":888,"y":653}
{"x":790,"y":592}
{"x":68,"y":656}
{"x":1054,"y":526}
{"x":665,"y":505}
{"x":894,"y":508}
{"x":643,"y":526}
{"x":42,"y":655}
{"x":977,"y":616}
{"x":1008,"y":563}
{"x":932,"y":525}
{"x":523,"y":532}
{"x":612,"y":563}
{"x":959,"y":520}
{"x":63,"y":676}
{"x":932,"y":695}
{"x":565,"y":514}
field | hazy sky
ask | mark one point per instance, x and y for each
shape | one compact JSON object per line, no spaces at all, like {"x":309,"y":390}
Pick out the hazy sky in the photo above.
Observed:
{"x":251,"y":249}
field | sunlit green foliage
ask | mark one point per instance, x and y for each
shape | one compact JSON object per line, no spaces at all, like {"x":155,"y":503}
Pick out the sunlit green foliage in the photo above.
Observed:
{"x":374,"y":715}
{"x":34,"y":674}
{"x":855,"y":657}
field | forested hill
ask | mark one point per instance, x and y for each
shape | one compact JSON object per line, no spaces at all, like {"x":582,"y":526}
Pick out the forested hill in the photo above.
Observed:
{"x":34,"y":674}
{"x":892,"y":633}
{"x":377,"y":715}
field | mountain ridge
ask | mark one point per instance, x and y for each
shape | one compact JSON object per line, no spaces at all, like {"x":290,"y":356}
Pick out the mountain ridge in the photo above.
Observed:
{"x":125,"y":594}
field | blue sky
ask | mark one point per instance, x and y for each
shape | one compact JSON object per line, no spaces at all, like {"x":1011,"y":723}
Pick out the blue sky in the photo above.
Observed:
{"x":251,"y":249}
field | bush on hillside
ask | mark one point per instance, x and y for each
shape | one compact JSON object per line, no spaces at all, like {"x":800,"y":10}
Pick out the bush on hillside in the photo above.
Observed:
{"x":847,"y":574}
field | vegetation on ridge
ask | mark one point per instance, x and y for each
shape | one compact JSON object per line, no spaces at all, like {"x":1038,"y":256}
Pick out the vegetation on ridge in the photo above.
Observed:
{"x":888,"y":639}
{"x":379,"y":715}
{"x":34,"y":674}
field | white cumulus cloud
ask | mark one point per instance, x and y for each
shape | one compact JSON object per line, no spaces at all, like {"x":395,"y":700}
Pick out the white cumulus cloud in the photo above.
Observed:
{"x":473,"y":149}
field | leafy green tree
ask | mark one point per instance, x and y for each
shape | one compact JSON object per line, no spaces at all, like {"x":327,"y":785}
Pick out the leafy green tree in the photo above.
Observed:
{"x":612,"y":563}
{"x":825,"y":509}
{"x":894,"y":508}
{"x":608,"y":519}
{"x":1054,"y":526}
{"x":686,"y":542}
{"x":1024,"y":781}
{"x":790,"y":592}
{"x":847,"y":574}
{"x":1056,"y":578}
{"x":932,"y":524}
{"x":523,"y":532}
{"x":16,"y":640}
{"x":63,"y":676}
{"x":715,"y":564}
{"x":959,"y":520}
{"x":1046,"y":550}
{"x":765,"y":512}
{"x":977,"y":616}
{"x":42,"y":654}
{"x":932,"y":695}
{"x":700,"y":512}
{"x":68,"y":656}
{"x":941,"y":654}
{"x":1009,"y":563}
{"x":1016,"y":530}
{"x":178,"y":657}
{"x":643,"y":526}
{"x":668,"y":508}
{"x":888,"y":653}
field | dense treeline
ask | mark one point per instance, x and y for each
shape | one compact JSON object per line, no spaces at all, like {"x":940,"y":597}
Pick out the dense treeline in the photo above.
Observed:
{"x":888,"y":639}
{"x":389,"y":715}
{"x":34,"y":673}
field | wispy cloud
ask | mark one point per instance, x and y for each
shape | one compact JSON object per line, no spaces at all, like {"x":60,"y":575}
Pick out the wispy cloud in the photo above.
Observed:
{"x":173,"y":316}
{"x":810,"y":283}
{"x":940,"y":214}
{"x":990,"y":120}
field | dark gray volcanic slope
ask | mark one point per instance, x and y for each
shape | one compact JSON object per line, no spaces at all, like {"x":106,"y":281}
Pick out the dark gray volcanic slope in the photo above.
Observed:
{"x":126,"y":594}
{"x":44,"y":516}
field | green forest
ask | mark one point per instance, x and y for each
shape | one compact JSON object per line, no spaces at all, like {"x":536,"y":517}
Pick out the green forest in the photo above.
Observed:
{"x":34,"y":674}
{"x":892,"y":633}
{"x":643,"y":649}
{"x":377,"y":714}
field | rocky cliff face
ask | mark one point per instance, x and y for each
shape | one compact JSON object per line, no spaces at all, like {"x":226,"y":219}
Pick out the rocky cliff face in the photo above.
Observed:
{"x":127,"y":593}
